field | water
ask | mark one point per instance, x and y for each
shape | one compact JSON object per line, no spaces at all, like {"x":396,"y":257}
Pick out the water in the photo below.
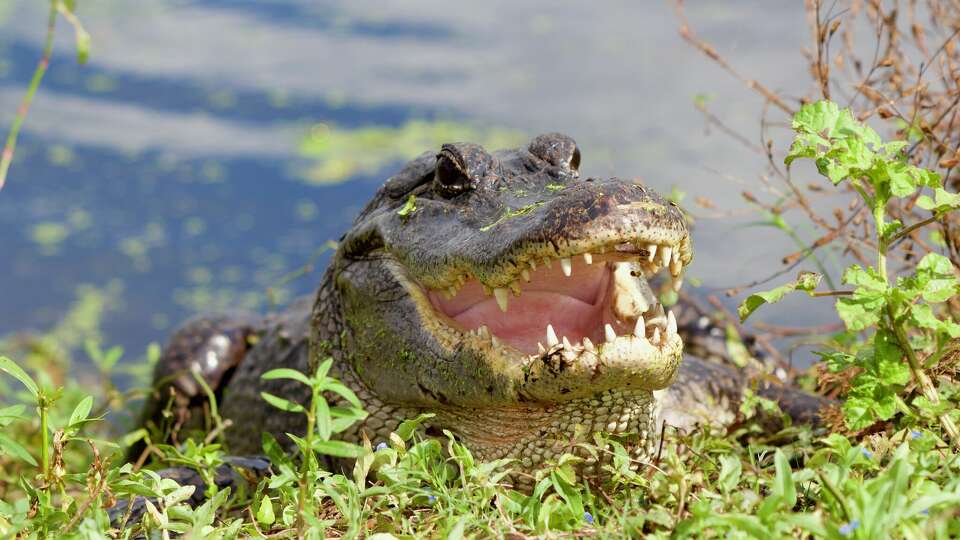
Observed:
{"x":169,"y":168}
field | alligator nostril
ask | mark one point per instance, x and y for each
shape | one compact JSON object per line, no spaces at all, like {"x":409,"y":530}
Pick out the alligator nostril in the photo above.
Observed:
{"x":557,"y":149}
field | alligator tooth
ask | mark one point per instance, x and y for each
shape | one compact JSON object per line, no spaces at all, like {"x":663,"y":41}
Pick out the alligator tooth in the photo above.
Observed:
{"x":588,"y":345}
{"x":658,"y":319}
{"x":552,"y":340}
{"x":566,"y":344}
{"x":658,"y":312}
{"x":501,"y":295}
{"x":452,"y":290}
{"x":608,"y":333}
{"x":655,"y":339}
{"x":671,"y":323}
{"x":567,"y":265}
{"x":675,"y":265}
{"x":541,"y":349}
{"x":483,"y":331}
{"x":515,"y":287}
{"x":677,"y":283}
{"x":547,"y":262}
{"x":494,"y":341}
{"x":533,"y":264}
{"x":487,"y":290}
{"x":640,"y":329}
{"x":665,"y":254}
{"x":652,"y":250}
{"x":643,"y":339}
{"x":525,"y":274}
{"x":601,"y":250}
{"x":588,"y":258}
{"x":629,"y":296}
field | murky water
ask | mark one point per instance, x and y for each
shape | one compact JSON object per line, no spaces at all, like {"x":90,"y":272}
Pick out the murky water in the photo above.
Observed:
{"x":175,"y":168}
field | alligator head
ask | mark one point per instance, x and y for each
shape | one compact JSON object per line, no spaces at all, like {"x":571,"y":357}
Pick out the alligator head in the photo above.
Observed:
{"x":509,"y":296}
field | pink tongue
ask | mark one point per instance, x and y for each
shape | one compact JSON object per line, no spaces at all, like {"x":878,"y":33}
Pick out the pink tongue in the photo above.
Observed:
{"x":572,"y":305}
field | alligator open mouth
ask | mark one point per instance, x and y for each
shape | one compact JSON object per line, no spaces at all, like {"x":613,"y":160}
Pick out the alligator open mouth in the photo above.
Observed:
{"x":570,"y":304}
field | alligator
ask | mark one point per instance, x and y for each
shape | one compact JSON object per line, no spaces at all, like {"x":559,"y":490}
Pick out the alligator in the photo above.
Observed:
{"x":503,"y":293}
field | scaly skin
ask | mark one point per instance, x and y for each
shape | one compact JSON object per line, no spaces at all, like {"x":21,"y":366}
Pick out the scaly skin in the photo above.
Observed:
{"x":385,"y":313}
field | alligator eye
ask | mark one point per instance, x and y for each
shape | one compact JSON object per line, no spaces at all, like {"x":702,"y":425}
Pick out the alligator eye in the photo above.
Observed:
{"x":450,"y":175}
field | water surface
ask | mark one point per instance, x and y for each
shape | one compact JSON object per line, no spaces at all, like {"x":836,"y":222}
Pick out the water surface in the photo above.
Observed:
{"x":170,"y":168}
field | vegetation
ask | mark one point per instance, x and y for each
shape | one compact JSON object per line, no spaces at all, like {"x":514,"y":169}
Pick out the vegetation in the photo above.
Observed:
{"x":887,"y":466}
{"x":65,"y":9}
{"x":339,"y":154}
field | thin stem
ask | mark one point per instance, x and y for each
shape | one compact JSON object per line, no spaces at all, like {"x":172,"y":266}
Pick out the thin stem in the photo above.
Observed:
{"x":904,"y":232}
{"x":305,"y":465}
{"x":878,"y":216}
{"x":921,"y":377}
{"x":42,"y":406}
{"x":7,"y":156}
{"x":830,"y":293}
{"x":832,"y":489}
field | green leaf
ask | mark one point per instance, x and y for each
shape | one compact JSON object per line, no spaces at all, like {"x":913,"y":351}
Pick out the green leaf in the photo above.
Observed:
{"x":936,"y":277}
{"x":821,"y":117}
{"x":862,"y":309}
{"x":836,"y":361}
{"x":459,"y":529}
{"x":265,"y":515}
{"x":889,"y":363}
{"x":889,"y":229}
{"x":323,"y":420}
{"x":783,"y":485}
{"x":343,"y":391}
{"x":860,"y":312}
{"x":730,"y":471}
{"x":892,"y":149}
{"x":407,"y":428}
{"x":942,"y":201}
{"x":869,"y":400}
{"x":19,"y":374}
{"x":338,"y":449}
{"x":81,"y":411}
{"x":738,"y":352}
{"x":83,"y":46}
{"x":11,"y":413}
{"x":858,"y":412}
{"x":869,"y":278}
{"x":409,"y":207}
{"x":282,"y":404}
{"x":903,"y":181}
{"x":178,"y":495}
{"x":286,"y":373}
{"x":13,"y":448}
{"x":806,"y":281}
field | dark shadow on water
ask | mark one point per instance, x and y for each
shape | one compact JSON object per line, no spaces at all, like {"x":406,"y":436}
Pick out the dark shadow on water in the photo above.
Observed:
{"x":181,"y":96}
{"x":326,"y":17}
{"x":220,"y":243}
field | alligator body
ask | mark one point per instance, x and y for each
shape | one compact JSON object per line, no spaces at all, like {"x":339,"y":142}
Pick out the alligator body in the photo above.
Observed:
{"x":503,"y":293}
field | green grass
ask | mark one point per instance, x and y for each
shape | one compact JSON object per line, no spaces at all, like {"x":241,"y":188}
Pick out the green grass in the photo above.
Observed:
{"x":711,"y":484}
{"x":889,"y":469}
